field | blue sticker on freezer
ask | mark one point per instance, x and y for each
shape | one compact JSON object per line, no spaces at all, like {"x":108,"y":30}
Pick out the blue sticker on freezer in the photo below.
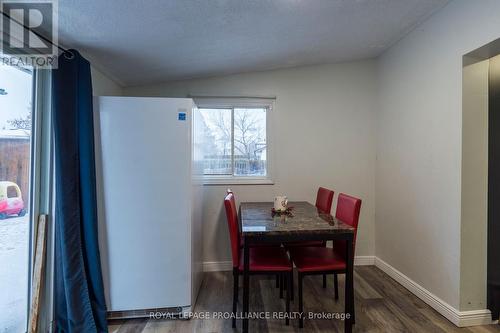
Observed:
{"x":182,"y":116}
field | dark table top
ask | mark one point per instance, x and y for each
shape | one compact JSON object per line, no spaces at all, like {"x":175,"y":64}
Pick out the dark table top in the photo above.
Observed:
{"x":257,"y":220}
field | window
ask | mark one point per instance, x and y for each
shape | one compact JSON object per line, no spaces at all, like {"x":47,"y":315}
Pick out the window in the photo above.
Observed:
{"x":236,"y":145}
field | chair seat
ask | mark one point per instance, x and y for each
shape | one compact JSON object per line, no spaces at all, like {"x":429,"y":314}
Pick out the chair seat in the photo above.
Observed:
{"x":316,"y":259}
{"x":267,"y":259}
{"x":305,"y":243}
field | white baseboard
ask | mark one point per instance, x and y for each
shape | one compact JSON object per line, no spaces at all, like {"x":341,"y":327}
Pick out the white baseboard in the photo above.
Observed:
{"x":217,"y":266}
{"x":364,"y":261}
{"x":475,"y":318}
{"x":459,"y":318}
{"x":223,"y":266}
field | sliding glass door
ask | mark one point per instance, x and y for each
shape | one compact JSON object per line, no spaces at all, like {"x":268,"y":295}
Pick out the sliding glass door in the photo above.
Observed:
{"x":16,"y":106}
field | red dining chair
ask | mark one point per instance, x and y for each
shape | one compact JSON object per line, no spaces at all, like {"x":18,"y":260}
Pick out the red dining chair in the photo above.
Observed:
{"x":323,"y":260}
{"x":229,"y":191}
{"x":263,"y":260}
{"x":324,"y":199}
{"x":278,"y":277}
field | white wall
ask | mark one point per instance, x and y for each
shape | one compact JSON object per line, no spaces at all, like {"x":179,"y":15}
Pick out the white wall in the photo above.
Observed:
{"x":102,"y":85}
{"x":419,"y":148}
{"x":323,"y":121}
{"x":473,"y":240}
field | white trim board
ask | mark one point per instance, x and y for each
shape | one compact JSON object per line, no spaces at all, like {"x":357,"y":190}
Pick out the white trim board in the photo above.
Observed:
{"x":459,"y":318}
{"x":223,"y":266}
{"x":364,"y":261}
{"x":217,"y":266}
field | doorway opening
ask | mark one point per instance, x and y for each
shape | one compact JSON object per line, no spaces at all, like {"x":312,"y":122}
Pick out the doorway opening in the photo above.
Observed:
{"x":480,"y":218}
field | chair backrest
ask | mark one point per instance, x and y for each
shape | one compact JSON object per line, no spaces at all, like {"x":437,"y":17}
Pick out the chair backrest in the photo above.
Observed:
{"x":348,"y":209}
{"x":324,"y":200}
{"x":234,"y":230}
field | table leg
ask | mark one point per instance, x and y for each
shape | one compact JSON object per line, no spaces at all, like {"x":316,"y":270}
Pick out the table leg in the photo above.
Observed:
{"x":246,"y":280}
{"x":349,"y":287}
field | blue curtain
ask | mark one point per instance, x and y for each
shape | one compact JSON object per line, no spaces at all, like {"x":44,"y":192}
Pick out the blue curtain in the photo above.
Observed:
{"x":79,"y":292}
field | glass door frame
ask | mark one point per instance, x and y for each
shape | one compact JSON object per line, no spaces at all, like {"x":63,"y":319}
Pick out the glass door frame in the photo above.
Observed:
{"x":41,"y":192}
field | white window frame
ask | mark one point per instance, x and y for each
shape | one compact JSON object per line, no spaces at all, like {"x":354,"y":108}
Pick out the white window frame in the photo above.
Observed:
{"x":42,"y":190}
{"x":242,"y":102}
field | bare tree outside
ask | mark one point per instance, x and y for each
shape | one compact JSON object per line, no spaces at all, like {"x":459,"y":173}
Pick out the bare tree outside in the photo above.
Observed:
{"x":223,"y":129}
{"x":249,"y":141}
{"x":249,"y":132}
{"x":23,"y":123}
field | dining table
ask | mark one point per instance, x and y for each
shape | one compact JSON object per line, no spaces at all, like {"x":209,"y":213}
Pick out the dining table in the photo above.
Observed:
{"x":304,"y":222}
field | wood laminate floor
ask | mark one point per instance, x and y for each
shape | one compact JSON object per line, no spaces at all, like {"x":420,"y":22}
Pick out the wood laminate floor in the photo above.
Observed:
{"x":382,"y":305}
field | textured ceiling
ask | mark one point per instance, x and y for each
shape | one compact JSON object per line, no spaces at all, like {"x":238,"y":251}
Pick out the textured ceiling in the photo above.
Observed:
{"x":151,"y":41}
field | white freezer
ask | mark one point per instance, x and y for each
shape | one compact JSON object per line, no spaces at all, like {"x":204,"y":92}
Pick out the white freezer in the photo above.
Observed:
{"x":149,"y":203}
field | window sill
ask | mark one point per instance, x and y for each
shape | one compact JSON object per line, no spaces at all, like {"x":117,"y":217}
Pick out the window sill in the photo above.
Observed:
{"x":237,"y":181}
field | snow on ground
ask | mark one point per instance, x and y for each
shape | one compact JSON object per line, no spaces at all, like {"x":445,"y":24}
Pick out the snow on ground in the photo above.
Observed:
{"x":14,"y":235}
